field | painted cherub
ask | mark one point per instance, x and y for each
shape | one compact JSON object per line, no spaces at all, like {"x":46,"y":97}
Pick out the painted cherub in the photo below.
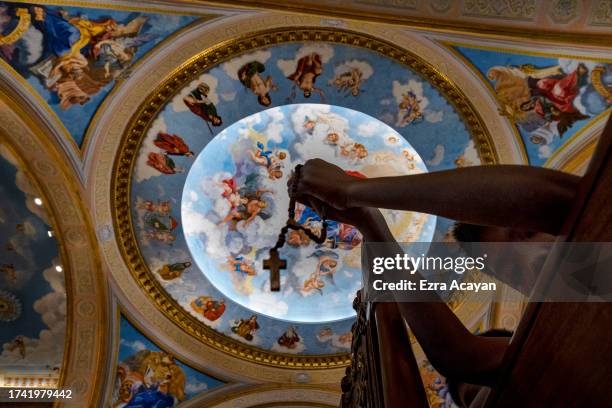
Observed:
{"x":348,"y":81}
{"x":231,"y":194}
{"x":240,"y":264}
{"x":336,"y":128}
{"x":297,"y":238}
{"x":163,"y":236}
{"x":269,"y":159}
{"x":251,"y":206}
{"x":162,"y":208}
{"x":354,"y":151}
{"x":246,"y":327}
{"x":309,"y":125}
{"x":409,"y":110}
{"x":254,"y":207}
{"x":326,"y":266}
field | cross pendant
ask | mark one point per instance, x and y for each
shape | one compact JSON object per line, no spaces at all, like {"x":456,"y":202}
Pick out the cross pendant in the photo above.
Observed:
{"x":274,"y":264}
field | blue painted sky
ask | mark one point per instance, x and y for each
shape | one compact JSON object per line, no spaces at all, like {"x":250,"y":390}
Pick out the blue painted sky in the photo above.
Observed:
{"x":34,"y":251}
{"x":439,"y":139}
{"x":77,"y":117}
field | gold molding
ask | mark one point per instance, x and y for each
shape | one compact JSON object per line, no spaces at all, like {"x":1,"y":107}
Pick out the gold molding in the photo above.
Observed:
{"x":248,"y":396}
{"x":111,"y":6}
{"x":85,"y":287}
{"x":141,"y":121}
{"x":475,"y":29}
{"x":531,"y":53}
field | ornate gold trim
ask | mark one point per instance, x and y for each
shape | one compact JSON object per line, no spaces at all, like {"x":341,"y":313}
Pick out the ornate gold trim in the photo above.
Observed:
{"x":152,"y":105}
{"x":111,"y":6}
{"x":472,"y":28}
{"x":85,"y":288}
{"x":248,"y":396}
{"x":43,"y":103}
{"x":531,"y":53}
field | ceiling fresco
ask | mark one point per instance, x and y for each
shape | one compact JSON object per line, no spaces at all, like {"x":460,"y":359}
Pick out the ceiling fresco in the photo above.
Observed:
{"x":32,"y":288}
{"x":207,"y":160}
{"x":183,"y":149}
{"x":148,"y":376}
{"x":73,"y":56}
{"x":235,"y":203}
{"x":550,"y":99}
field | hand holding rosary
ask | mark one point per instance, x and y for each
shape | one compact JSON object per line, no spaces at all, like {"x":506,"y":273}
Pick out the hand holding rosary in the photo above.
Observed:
{"x":274,"y":263}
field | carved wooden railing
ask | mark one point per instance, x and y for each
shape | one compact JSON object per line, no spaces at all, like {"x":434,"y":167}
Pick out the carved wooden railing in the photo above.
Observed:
{"x":384,"y":372}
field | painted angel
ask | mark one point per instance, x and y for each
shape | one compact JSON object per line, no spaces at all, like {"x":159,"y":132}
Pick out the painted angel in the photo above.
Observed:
{"x":250,"y":76}
{"x":307,"y":69}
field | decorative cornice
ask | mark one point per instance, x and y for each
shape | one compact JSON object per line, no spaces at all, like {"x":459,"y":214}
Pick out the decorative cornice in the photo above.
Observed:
{"x":585,"y":35}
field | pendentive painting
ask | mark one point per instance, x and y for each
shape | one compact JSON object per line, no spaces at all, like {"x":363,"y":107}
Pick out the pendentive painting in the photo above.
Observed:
{"x":148,"y":376}
{"x":72,"y":56}
{"x":549,"y":99}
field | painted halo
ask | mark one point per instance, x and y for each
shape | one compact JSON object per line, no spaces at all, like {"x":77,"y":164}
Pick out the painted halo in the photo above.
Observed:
{"x":174,"y":144}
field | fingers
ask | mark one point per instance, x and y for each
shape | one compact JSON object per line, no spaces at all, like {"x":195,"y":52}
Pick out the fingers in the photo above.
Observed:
{"x":318,"y":206}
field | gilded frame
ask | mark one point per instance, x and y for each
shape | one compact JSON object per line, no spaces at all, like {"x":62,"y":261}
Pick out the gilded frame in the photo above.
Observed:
{"x":141,"y":121}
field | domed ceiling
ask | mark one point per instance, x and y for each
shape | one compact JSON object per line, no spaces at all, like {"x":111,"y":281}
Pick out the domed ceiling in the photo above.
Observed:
{"x":208,"y":183}
{"x":183,"y":123}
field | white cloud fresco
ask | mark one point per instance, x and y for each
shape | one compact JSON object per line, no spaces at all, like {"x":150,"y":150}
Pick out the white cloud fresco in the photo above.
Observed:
{"x":237,"y":170}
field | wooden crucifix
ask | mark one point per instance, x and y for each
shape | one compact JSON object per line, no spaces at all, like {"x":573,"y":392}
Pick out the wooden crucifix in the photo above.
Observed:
{"x":274,"y":264}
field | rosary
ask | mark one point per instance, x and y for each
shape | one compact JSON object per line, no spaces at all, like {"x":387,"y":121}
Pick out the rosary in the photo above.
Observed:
{"x":274,"y":263}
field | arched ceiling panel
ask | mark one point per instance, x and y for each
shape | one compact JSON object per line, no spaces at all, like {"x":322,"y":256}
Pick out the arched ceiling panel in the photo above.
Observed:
{"x":550,"y":98}
{"x":72,"y":57}
{"x":76,"y":295}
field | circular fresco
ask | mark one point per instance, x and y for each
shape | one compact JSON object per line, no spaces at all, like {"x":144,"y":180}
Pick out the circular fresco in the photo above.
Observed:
{"x":204,"y":165}
{"x":235,"y":202}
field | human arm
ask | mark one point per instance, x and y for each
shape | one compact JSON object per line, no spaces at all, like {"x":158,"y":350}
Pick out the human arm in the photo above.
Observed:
{"x":521,"y":197}
{"x":449,"y":346}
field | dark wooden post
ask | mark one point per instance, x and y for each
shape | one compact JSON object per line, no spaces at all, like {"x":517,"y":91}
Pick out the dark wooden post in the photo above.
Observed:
{"x":561,"y":355}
